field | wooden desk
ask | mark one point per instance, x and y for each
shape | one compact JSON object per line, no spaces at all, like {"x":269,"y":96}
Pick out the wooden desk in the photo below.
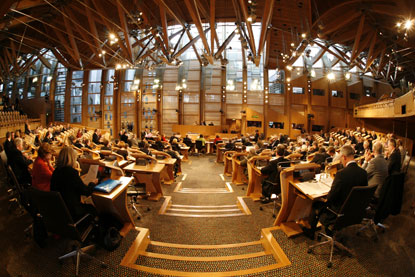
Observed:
{"x":209,"y":147}
{"x":115,"y":203}
{"x":185,"y":152}
{"x":295,"y":207}
{"x":255,"y":178}
{"x":238,"y":175}
{"x":228,"y":163}
{"x":168,"y":172}
{"x":220,"y":150}
{"x":150,"y":175}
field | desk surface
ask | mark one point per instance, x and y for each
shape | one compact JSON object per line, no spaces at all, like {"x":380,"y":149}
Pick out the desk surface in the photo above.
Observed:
{"x":125,"y":181}
{"x":170,"y":161}
{"x":314,"y":189}
{"x":152,"y":168}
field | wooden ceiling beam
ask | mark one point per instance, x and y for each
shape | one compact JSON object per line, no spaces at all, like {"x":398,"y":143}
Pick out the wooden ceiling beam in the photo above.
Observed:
{"x":125,"y":30}
{"x":357,"y":39}
{"x":339,"y":23}
{"x":331,"y":52}
{"x":212,"y":24}
{"x":72,"y":40}
{"x":164,"y":24}
{"x":266,"y":18}
{"x":224,"y":45}
{"x":267,"y":50}
{"x":61,"y":58}
{"x":370,"y":59}
{"x":251,"y":40}
{"x":65,"y":44}
{"x":189,"y":44}
{"x":198,"y":23}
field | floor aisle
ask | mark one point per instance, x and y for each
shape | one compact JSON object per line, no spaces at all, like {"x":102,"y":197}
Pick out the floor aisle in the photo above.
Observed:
{"x":393,"y":255}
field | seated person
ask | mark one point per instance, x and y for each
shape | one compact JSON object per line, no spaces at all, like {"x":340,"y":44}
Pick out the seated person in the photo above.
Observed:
{"x":48,"y":137}
{"x":320,"y":157}
{"x":394,"y":157}
{"x":8,"y":144}
{"x":188,"y":142}
{"x":313,"y":148}
{"x":273,"y":176}
{"x":175,"y":145}
{"x":19,"y":163}
{"x":77,"y":143}
{"x":217,"y":138}
{"x":106,"y":146}
{"x":158,"y":145}
{"x":202,"y":139}
{"x":88,"y":144}
{"x":376,"y":168}
{"x":123,"y":150}
{"x":65,"y":179}
{"x":144,"y":147}
{"x":42,"y":168}
{"x":96,"y":136}
{"x":174,"y":155}
{"x":350,"y":176}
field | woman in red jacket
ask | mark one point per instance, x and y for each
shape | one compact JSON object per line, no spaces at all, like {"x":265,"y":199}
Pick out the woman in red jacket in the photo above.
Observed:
{"x":42,"y":168}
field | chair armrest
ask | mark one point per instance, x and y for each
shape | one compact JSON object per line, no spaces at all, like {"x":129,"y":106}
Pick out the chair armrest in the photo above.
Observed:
{"x":80,"y":220}
{"x":337,"y":214}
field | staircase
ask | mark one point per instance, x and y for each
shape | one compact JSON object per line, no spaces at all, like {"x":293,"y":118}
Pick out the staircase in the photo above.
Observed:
{"x":205,"y":260}
{"x":238,"y":209}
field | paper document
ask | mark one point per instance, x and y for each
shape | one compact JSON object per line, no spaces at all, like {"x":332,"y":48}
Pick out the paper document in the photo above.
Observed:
{"x":314,"y":188}
{"x":91,"y":175}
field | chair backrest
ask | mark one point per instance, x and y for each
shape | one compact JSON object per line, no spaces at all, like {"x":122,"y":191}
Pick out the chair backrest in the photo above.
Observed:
{"x":354,"y":207}
{"x":199,"y":144}
{"x":54,"y":212}
{"x":3,"y":157}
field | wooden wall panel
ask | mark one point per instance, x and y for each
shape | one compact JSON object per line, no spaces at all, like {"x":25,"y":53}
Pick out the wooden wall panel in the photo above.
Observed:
{"x":277,"y":114}
{"x":338,"y":118}
{"x":317,"y":100}
{"x":339,"y":102}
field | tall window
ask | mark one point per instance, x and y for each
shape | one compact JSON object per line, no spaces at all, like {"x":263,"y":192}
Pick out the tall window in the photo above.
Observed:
{"x":276,"y":81}
{"x":94,"y":98}
{"x":60,"y":93}
{"x":20,"y":87}
{"x":76,"y":96}
{"x":128,"y":98}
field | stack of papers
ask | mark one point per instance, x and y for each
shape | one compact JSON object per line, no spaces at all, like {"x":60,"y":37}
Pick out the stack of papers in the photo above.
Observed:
{"x":314,"y":188}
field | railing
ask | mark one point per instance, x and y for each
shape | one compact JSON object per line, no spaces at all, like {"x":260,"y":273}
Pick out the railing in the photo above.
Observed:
{"x":403,"y":106}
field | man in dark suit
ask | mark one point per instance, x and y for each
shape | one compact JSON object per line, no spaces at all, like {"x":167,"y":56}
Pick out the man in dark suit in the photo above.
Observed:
{"x":96,"y":136}
{"x":350,"y":176}
{"x":320,"y":157}
{"x":271,"y":170}
{"x":20,"y":163}
{"x":394,"y":157}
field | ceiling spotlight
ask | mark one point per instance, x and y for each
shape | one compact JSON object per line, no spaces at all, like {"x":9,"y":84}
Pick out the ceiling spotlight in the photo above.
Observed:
{"x":313,"y":73}
{"x":408,"y":24}
{"x":303,"y":35}
{"x":249,"y":19}
{"x":399,"y":24}
{"x":292,"y":44}
{"x":112,"y":36}
{"x":331,"y":76}
{"x":289,"y":67}
{"x":288,"y":80}
{"x":347,"y":76}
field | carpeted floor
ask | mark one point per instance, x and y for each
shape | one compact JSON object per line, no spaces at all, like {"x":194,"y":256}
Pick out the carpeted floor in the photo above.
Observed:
{"x":392,"y":255}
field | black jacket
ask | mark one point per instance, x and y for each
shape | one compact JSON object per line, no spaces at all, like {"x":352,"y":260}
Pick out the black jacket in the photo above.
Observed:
{"x":347,"y":178}
{"x":66,"y":180}
{"x":390,"y":197}
{"x":394,"y":162}
{"x":95,"y":138}
{"x":19,"y":164}
{"x":272,"y":170}
{"x":320,"y":158}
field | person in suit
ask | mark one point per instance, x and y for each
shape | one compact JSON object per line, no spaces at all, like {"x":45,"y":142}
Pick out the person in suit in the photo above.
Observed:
{"x":96,"y":137}
{"x":158,"y":145}
{"x":174,"y":155}
{"x":350,"y":176}
{"x":65,"y":179}
{"x":42,"y":168}
{"x":320,"y":157}
{"x":376,"y":168}
{"x":8,"y":144}
{"x":394,"y":157}
{"x":19,"y":163}
{"x":272,"y":172}
{"x":123,"y":150}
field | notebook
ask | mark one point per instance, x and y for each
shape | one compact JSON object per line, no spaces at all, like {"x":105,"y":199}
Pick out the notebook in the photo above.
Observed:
{"x":107,"y":186}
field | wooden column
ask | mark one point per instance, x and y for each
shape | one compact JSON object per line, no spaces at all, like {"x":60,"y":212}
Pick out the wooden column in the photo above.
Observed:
{"x":181,"y":106}
{"x":201,"y":96}
{"x":52,"y":87}
{"x":223,"y":96}
{"x":84,"y":105}
{"x":309,"y":109}
{"x":116,"y":112}
{"x":67,"y":106}
{"x":244,"y":98}
{"x":102,"y":96}
{"x":288,"y":94}
{"x":266,"y":101}
{"x":159,"y":107}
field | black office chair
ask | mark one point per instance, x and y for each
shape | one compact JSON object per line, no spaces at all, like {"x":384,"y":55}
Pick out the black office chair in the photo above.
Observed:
{"x":199,"y":146}
{"x":352,"y":212}
{"x":389,"y":203}
{"x":54,"y":213}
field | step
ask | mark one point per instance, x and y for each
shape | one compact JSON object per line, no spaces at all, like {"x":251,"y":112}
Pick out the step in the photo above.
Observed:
{"x":205,"y":260}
